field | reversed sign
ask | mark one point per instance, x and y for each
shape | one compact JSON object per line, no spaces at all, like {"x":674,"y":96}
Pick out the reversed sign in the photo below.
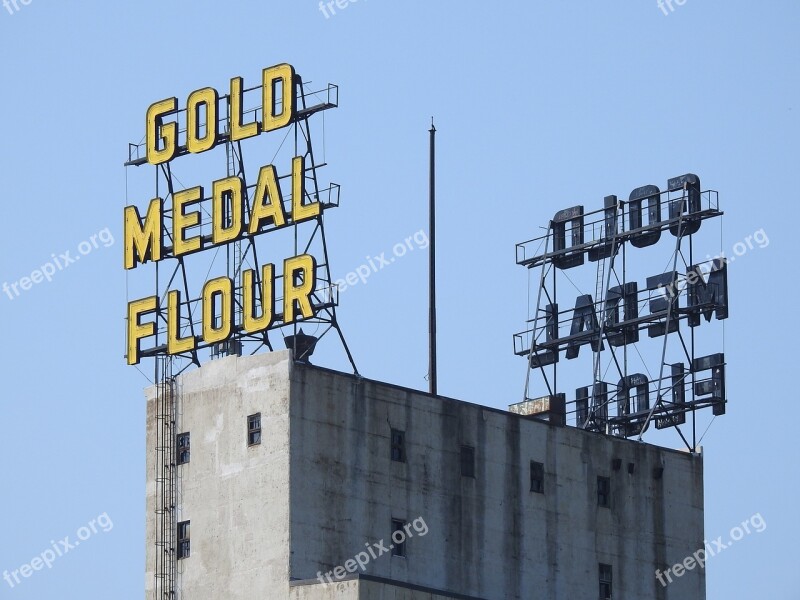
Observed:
{"x":622,"y":308}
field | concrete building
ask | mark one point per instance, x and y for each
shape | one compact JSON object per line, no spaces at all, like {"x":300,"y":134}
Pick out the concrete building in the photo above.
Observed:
{"x":295,"y":479}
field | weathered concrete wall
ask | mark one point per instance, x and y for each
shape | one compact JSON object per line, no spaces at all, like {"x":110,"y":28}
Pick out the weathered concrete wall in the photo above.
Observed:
{"x":488,"y":536}
{"x":341,"y":590}
{"x":321,"y":487}
{"x":235,"y":496}
{"x":364,"y":589}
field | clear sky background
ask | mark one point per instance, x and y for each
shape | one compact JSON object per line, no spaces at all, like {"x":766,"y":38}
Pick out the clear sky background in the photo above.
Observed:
{"x":539,"y":106}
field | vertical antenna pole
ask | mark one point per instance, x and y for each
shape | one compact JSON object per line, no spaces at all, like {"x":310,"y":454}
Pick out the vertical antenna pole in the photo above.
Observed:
{"x":432,"y":267}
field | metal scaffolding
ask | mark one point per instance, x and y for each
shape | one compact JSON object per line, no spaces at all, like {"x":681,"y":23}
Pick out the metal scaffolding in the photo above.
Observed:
{"x":609,"y":322}
{"x":175,"y":273}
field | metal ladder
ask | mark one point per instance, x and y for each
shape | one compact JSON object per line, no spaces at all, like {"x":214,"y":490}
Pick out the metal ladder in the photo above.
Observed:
{"x":601,"y":288}
{"x":166,"y":485}
{"x":235,"y":264}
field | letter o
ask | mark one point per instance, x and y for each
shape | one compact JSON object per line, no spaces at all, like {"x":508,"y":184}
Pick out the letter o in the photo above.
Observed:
{"x":222,"y":288}
{"x":208,"y":97}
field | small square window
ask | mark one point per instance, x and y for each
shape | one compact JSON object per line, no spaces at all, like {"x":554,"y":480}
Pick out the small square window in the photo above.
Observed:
{"x":182,"y":448}
{"x":183,"y":540}
{"x":398,"y":537}
{"x":537,"y":477}
{"x":467,"y":461}
{"x":254,"y":429}
{"x":603,"y":491}
{"x":398,"y":445}
{"x":605,"y":581}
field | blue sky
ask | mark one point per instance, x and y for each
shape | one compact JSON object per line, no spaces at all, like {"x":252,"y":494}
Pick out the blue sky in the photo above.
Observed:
{"x":539,"y":106}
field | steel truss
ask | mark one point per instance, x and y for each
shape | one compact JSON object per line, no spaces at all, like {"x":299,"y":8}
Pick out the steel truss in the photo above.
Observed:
{"x":610,"y":407}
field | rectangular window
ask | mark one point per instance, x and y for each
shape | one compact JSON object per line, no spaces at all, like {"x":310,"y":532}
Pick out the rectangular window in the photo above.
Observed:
{"x":605,"y":582}
{"x":254,"y":429}
{"x":183,"y":540}
{"x":467,"y":461}
{"x":182,"y":448}
{"x":537,"y":477}
{"x":603,"y":491}
{"x":398,"y":445}
{"x":398,"y":538}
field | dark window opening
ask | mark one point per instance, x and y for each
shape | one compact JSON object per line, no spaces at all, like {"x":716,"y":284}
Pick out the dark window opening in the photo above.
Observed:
{"x":182,"y":448}
{"x":398,"y":445}
{"x":183,"y":540}
{"x":603,"y":491}
{"x":254,"y":429}
{"x":605,"y":582}
{"x":398,"y":538}
{"x":537,"y":477}
{"x":467,"y":461}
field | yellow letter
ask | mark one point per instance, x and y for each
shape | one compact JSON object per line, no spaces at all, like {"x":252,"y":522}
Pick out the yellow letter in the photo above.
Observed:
{"x":222,"y":287}
{"x":182,"y":221}
{"x":238,"y":130}
{"x":283,"y":74}
{"x":300,"y":211}
{"x":226,"y":226}
{"x":136,"y":330}
{"x":302,"y":269}
{"x":143,"y":243}
{"x":267,"y":188}
{"x":175,"y":343}
{"x":253,"y":324}
{"x":158,"y":131}
{"x":210,"y":98}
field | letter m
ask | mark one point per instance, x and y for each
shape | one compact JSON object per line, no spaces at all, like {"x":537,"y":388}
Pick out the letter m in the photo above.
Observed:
{"x":707,"y":296}
{"x":143,"y":241}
